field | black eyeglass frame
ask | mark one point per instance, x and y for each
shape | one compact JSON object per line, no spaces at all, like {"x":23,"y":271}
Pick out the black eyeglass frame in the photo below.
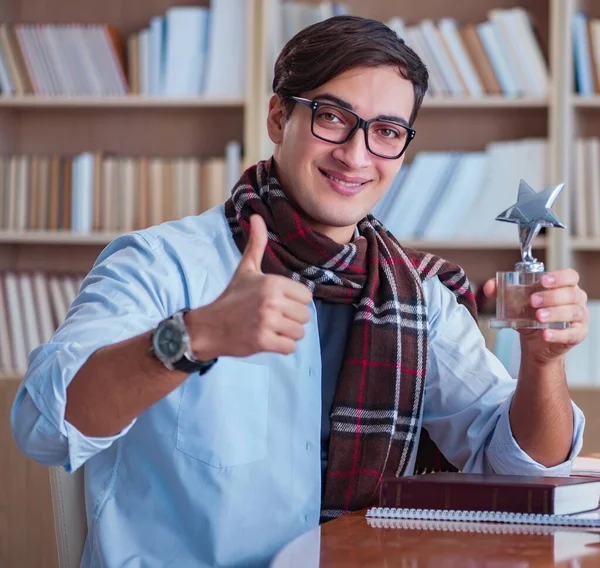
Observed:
{"x":361,"y":123}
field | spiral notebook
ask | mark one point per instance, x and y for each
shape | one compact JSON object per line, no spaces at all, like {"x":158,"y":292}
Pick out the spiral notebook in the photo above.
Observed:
{"x":587,"y":519}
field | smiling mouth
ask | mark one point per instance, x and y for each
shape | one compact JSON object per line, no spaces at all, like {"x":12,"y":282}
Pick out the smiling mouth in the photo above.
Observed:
{"x":351,"y":185}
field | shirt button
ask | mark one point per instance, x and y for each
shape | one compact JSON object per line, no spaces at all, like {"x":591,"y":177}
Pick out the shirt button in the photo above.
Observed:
{"x":310,"y":372}
{"x":306,"y":518}
{"x":307,"y":445}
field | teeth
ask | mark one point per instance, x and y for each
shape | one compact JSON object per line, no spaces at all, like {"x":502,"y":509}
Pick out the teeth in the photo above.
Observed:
{"x":342,"y":182}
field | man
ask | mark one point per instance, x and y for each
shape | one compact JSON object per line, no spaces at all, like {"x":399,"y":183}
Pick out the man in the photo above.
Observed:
{"x":314,"y":351}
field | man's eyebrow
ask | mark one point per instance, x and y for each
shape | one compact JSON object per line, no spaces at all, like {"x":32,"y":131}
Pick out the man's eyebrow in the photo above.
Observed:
{"x":346,"y":104}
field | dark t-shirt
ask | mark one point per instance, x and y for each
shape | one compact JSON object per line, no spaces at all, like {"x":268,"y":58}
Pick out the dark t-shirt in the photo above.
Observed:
{"x":335,"y":322}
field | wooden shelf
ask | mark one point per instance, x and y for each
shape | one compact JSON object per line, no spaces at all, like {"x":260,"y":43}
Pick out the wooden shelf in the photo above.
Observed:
{"x":585,"y":244}
{"x":493,"y":102}
{"x":585,"y":102}
{"x":132,"y":101}
{"x":56,"y":238}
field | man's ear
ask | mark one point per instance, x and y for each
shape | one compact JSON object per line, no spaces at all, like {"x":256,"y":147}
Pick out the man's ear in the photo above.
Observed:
{"x":276,"y":119}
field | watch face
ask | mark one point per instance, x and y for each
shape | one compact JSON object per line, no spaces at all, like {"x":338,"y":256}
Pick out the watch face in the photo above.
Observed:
{"x":169,"y":341}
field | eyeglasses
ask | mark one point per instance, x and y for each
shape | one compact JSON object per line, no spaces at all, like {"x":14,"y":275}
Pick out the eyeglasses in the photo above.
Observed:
{"x":336,"y":124}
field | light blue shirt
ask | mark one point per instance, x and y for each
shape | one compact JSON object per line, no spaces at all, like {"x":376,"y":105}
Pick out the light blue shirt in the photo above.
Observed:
{"x":226,"y":469}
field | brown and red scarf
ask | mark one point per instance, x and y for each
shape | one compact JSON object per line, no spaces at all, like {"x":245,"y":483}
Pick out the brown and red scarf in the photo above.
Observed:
{"x":379,"y":394}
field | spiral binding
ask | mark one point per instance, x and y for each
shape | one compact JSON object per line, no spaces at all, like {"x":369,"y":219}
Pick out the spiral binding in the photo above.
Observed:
{"x":468,"y":527}
{"x":481,"y":517}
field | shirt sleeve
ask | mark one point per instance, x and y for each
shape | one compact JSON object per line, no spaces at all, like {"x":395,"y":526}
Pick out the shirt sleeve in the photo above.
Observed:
{"x":468,"y":394}
{"x":122,"y":296}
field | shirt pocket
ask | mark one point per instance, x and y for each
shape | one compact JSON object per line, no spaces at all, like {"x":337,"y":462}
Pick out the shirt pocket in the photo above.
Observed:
{"x":223,"y":415}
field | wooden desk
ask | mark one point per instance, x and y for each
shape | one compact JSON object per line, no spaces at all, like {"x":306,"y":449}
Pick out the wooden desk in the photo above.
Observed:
{"x":350,"y":542}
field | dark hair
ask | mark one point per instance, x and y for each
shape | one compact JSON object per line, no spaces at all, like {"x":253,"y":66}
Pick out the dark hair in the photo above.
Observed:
{"x":326,"y":49}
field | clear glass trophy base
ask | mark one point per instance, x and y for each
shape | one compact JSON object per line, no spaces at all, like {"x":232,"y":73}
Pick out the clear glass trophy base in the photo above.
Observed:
{"x":513,"y":305}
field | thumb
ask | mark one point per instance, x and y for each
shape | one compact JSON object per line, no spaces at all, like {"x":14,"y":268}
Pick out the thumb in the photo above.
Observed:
{"x":255,"y":248}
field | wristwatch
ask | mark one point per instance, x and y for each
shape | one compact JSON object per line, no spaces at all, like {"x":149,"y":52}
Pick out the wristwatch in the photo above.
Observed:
{"x":171,"y":345}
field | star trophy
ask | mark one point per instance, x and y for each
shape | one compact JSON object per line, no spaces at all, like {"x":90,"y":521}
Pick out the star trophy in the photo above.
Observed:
{"x":531,"y":212}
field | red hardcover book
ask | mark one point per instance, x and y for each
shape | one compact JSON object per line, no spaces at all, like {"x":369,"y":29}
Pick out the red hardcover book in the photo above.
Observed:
{"x":507,"y":493}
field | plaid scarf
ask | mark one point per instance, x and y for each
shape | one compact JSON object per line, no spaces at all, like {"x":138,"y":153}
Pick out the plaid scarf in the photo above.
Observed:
{"x":379,"y":394}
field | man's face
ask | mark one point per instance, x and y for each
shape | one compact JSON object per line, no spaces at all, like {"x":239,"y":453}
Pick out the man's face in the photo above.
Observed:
{"x":336,"y":185}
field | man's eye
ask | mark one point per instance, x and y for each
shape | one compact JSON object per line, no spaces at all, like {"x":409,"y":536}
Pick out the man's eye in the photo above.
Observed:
{"x":329,"y":117}
{"x":388,"y":133}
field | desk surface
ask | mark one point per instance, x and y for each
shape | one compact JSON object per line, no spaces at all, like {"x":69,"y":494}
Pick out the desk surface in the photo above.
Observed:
{"x":353,"y":541}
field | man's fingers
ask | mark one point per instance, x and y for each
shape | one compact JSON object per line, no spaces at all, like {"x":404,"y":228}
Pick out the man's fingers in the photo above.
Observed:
{"x":288,"y":328}
{"x":297,"y":292}
{"x":570,"y":313}
{"x":560,"y":278}
{"x":296,"y":311}
{"x":558,"y":297}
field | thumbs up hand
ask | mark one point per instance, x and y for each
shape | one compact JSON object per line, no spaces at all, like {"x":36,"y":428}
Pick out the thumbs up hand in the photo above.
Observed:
{"x":256,"y":313}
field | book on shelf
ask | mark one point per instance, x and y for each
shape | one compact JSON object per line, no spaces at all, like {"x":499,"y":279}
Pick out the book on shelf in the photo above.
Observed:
{"x":97,"y":191}
{"x":32,"y":306}
{"x":585,"y":194}
{"x":501,"y":55}
{"x":182,"y":53}
{"x":472,"y":492}
{"x":457,"y":195}
{"x":586,"y":54}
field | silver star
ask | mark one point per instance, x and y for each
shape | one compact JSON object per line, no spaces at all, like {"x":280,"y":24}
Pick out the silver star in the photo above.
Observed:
{"x":531,"y":212}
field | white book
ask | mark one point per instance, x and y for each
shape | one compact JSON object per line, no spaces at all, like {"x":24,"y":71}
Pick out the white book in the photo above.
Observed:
{"x":192,"y":178}
{"x":42,"y":51}
{"x":44,"y":310}
{"x":227,"y":47}
{"x":31,"y":61}
{"x":31,"y":324}
{"x":422,"y":180}
{"x":107,"y":221}
{"x":60,"y":307}
{"x":438,"y":190}
{"x":82,"y":193}
{"x":458,"y":199}
{"x":583,"y":63}
{"x":69,"y":288}
{"x":6,"y":359}
{"x":144,"y":59}
{"x":16,"y":322}
{"x":49,"y":35}
{"x":22,"y":196}
{"x":579,"y":201}
{"x":514,"y":53}
{"x":449,"y":31}
{"x":519,"y":20}
{"x":76,"y":60}
{"x":81,"y":37}
{"x":493,"y":48}
{"x":416,"y":41}
{"x":499,"y":191}
{"x":7,"y":88}
{"x":382,"y":207}
{"x":157,"y":54}
{"x":233,"y":165}
{"x":593,"y":186}
{"x":129,"y":184}
{"x":186,"y":47}
{"x":444,"y":64}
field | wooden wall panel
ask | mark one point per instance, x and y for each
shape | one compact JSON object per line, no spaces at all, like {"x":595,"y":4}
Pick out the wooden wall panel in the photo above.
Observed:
{"x":26,"y":523}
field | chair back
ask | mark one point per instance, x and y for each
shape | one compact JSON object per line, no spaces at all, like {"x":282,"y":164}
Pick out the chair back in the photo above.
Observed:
{"x":70,"y":524}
